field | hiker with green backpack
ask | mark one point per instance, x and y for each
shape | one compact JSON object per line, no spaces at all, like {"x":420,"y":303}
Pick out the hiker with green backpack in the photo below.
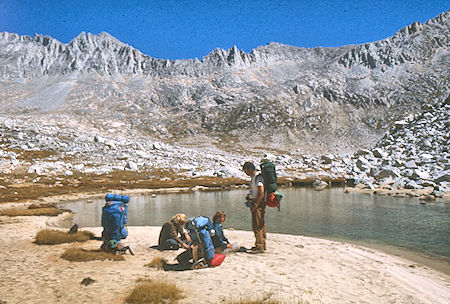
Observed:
{"x":263,"y":192}
{"x":257,"y":204}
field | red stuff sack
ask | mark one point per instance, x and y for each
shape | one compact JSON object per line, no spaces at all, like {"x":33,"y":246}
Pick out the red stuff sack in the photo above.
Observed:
{"x":217,"y":259}
{"x":272,"y":200}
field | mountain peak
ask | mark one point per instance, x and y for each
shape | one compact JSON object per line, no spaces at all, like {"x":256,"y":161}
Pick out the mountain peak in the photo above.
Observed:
{"x":345,"y":96}
{"x":96,"y":39}
{"x":106,"y":55}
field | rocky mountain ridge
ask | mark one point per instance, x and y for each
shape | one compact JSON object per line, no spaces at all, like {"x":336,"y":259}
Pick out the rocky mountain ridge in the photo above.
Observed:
{"x":96,"y":105}
{"x":30,"y":57}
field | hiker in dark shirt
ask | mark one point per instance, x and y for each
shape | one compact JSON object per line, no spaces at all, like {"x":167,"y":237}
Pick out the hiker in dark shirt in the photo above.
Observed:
{"x":220,"y":242}
{"x":173,"y":234}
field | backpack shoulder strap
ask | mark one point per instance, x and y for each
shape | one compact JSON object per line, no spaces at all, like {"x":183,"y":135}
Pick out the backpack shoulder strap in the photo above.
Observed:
{"x":259,"y":178}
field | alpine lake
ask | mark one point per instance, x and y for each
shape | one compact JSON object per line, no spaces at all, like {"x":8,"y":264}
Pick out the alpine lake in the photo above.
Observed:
{"x":401,"y":226}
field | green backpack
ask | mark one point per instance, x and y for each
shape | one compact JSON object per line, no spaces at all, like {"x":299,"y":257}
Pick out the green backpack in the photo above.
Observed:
{"x":273,"y":197}
{"x":270,"y":176}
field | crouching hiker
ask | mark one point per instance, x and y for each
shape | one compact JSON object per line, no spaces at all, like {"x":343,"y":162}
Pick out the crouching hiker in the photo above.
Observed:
{"x":202,"y":251}
{"x":220,"y":242}
{"x":173,"y":235}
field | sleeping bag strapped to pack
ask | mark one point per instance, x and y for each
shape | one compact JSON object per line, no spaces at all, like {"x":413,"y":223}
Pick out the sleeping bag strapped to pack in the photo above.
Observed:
{"x":114,"y":219}
{"x":201,"y":227}
{"x":269,"y":174}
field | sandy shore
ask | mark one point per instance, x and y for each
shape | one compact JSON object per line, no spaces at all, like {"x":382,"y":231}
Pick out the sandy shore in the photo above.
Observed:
{"x":321,"y":271}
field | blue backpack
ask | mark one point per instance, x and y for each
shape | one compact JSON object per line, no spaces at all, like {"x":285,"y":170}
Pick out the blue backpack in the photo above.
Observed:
{"x":114,"y":219}
{"x":199,"y":229}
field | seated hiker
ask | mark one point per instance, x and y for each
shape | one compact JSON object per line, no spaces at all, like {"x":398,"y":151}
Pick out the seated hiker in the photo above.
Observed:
{"x":202,"y":250}
{"x":173,"y":235}
{"x":220,"y":242}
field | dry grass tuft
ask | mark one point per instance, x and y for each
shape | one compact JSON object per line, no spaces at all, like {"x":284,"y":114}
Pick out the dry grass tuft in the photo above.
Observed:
{"x":36,"y":210}
{"x":51,"y":211}
{"x":265,"y":299}
{"x":157,"y":262}
{"x":82,"y":255}
{"x":53,"y":237}
{"x":40,"y":206}
{"x":154,"y":291}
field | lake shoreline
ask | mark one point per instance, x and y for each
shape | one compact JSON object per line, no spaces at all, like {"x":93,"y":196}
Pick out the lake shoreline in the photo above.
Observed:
{"x":439,"y":263}
{"x":325,"y":271}
{"x":433,"y":260}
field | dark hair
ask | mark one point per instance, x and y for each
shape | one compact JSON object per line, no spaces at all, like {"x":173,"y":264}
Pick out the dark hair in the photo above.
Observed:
{"x":248,"y":166}
{"x":219,"y":214}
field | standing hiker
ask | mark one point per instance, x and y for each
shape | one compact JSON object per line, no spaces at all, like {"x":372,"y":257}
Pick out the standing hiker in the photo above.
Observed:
{"x":257,"y":206}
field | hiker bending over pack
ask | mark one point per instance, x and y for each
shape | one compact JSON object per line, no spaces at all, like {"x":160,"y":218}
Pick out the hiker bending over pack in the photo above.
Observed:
{"x":173,"y":235}
{"x":220,"y":242}
{"x":202,"y":250}
{"x":257,"y":204}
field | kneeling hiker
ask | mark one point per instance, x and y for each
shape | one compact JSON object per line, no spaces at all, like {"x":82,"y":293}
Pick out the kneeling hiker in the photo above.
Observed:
{"x":202,"y":250}
{"x":220,"y":242}
{"x":173,"y":235}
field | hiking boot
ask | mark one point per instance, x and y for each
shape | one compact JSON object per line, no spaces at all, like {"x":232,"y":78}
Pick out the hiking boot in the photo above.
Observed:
{"x":257,"y":250}
{"x":255,"y":247}
{"x":243,"y":249}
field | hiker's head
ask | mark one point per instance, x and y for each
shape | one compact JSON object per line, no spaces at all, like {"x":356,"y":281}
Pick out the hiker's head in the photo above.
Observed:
{"x":249,"y":168}
{"x":179,"y":219}
{"x":219,"y":217}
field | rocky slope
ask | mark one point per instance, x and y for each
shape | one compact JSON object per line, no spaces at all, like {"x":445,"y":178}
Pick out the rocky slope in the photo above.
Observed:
{"x":413,"y":154}
{"x":319,"y":100}
{"x":375,"y":113}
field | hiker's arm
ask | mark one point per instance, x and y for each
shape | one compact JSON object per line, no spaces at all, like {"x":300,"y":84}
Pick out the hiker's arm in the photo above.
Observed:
{"x":219,"y":234}
{"x":187,"y":237}
{"x":259,"y":197}
{"x":182,"y":244}
{"x":174,"y":235}
{"x":183,"y":234}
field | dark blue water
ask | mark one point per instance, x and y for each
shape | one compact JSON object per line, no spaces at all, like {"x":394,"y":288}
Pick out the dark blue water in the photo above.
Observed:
{"x":332,"y":214}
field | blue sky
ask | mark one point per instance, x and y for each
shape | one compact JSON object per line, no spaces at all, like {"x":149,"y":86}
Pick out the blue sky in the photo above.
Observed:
{"x":186,"y":29}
